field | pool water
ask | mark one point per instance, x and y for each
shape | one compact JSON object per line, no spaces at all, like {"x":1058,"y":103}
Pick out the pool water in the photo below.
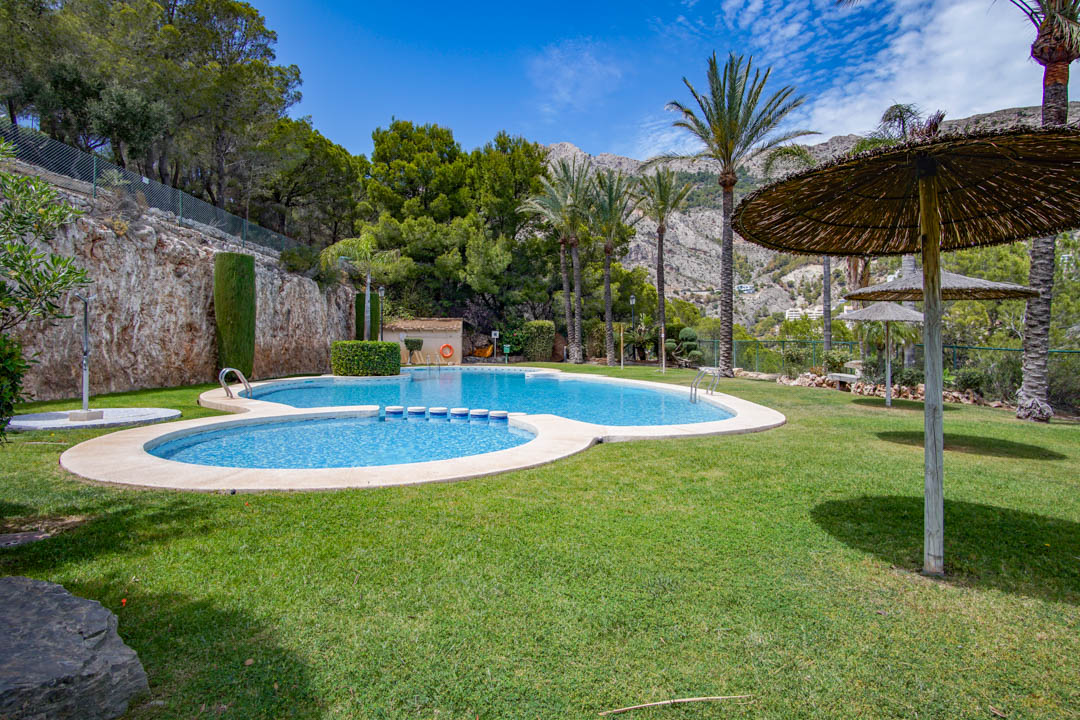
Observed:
{"x":591,"y":401}
{"x":340,"y":442}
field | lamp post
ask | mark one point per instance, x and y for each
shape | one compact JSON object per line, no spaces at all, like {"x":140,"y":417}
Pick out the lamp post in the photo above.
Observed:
{"x":633,"y":324}
{"x":382,"y":297}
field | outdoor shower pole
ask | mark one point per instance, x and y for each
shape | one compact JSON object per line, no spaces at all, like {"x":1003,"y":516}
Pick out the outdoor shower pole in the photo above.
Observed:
{"x":85,"y":350}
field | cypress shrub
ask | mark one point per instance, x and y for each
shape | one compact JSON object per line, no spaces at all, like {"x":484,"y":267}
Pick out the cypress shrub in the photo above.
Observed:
{"x":234,"y":310}
{"x":373,"y":317}
{"x":12,"y":368}
{"x":365,"y":357}
{"x":539,"y":340}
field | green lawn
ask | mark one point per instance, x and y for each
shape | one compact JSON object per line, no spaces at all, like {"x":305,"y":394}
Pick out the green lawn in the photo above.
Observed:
{"x":781,"y":564}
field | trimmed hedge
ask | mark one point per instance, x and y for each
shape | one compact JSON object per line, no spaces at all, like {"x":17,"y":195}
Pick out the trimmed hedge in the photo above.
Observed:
{"x":365,"y":357}
{"x":234,"y":310}
{"x":12,"y":369}
{"x":539,"y":340}
{"x":373,"y":317}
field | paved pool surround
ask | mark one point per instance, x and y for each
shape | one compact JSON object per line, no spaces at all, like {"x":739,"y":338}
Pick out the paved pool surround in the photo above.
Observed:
{"x":122,"y":458}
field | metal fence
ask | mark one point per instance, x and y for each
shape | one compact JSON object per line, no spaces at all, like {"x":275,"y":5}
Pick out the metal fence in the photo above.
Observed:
{"x":998,"y":370}
{"x":99,"y":178}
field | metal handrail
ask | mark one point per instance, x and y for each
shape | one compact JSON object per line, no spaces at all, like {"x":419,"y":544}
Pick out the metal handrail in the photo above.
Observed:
{"x":224,"y":386}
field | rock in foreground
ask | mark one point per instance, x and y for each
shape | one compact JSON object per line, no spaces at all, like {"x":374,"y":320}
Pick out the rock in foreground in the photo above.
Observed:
{"x":60,"y":655}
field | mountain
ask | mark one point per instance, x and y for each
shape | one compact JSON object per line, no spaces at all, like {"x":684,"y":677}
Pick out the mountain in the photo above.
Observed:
{"x":692,"y":250}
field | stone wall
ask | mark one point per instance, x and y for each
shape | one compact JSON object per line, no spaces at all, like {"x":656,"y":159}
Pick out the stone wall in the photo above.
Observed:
{"x":152,"y":321}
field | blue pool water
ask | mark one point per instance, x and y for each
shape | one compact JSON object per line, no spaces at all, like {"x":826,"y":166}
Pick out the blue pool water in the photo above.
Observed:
{"x":577,"y":399}
{"x":340,"y":442}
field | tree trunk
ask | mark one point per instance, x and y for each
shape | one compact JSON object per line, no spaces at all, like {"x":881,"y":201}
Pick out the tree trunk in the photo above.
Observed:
{"x":609,"y":324}
{"x":367,"y":305}
{"x":566,"y":299}
{"x":13,"y":114}
{"x":1034,"y":392}
{"x":575,"y":258}
{"x":661,"y":314}
{"x":826,"y":303}
{"x":219,"y":201}
{"x":727,"y":318}
{"x":1032,"y":402}
{"x":907,"y":267}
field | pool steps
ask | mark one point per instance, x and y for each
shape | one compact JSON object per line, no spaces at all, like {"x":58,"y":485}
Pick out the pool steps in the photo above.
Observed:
{"x":419,"y":412}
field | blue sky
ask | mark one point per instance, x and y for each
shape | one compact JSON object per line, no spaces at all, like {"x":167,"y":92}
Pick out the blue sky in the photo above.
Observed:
{"x":598,"y":74}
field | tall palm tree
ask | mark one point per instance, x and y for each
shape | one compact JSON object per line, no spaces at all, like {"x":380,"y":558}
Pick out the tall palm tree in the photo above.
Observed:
{"x":365,"y":257}
{"x":563,"y":202}
{"x":1056,"y":46}
{"x":613,"y":213}
{"x":661,"y":197}
{"x":735,"y":124}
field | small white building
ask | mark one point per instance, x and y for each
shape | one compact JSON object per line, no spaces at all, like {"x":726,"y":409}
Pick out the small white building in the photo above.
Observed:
{"x":435,"y":332}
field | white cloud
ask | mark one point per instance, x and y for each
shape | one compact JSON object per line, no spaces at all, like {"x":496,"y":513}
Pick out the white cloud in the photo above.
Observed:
{"x":573,"y":75}
{"x":963,"y":57}
{"x":654,"y":136}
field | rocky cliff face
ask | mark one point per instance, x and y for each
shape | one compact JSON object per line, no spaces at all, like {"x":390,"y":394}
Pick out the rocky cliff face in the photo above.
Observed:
{"x":152,"y":318}
{"x":692,"y":250}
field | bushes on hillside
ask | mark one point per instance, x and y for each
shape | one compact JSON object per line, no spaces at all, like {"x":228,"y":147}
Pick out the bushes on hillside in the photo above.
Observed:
{"x":234,"y":310}
{"x":365,"y":357}
{"x":538,"y":340}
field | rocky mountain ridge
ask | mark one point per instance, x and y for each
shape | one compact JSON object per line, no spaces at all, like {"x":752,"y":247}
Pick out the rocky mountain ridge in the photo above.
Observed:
{"x":773,"y":282}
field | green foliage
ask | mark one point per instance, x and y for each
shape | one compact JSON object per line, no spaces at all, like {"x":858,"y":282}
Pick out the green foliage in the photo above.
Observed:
{"x":32,"y":282}
{"x":373,"y":317}
{"x":365,"y":357}
{"x":969,"y":379}
{"x":414,"y":344}
{"x":234,"y":310}
{"x":538,"y":340}
{"x":909,"y":376}
{"x":594,"y":337}
{"x":12,"y":369}
{"x":834,"y":360}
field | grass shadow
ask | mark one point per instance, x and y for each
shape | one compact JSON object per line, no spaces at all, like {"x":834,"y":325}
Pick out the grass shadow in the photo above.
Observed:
{"x":205,"y":657}
{"x":976,"y":445}
{"x":985,"y":546}
{"x":109,"y":530}
{"x":897,"y":404}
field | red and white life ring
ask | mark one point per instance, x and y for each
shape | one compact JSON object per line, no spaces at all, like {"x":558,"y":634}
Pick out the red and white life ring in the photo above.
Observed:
{"x":447,"y":351}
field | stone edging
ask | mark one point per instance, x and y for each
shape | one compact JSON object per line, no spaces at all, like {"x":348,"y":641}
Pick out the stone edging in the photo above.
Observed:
{"x":122,"y":457}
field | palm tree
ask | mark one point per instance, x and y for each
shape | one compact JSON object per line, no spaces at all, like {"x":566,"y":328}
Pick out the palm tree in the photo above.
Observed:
{"x":735,"y":125}
{"x":563,"y":202}
{"x":363,"y":254}
{"x":613,"y":215}
{"x":1056,"y":46}
{"x":661,"y":197}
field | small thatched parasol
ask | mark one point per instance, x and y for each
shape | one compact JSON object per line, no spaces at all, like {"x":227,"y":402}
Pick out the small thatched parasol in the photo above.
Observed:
{"x":951,"y":192}
{"x":884,"y":312}
{"x":953,"y":287}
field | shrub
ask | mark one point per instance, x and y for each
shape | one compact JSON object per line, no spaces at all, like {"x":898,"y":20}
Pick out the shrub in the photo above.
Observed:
{"x":909,"y":376}
{"x":414,"y":344}
{"x":373,"y":317}
{"x":234,"y":310}
{"x":12,"y":369}
{"x":538,"y":340}
{"x":835,"y":359}
{"x":593,"y":337}
{"x":1064,"y":391}
{"x":969,"y":378}
{"x":365,"y":357}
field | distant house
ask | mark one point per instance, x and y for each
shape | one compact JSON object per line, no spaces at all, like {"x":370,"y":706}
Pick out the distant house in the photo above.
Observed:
{"x":745,"y":288}
{"x":796,"y":313}
{"x":435,"y":332}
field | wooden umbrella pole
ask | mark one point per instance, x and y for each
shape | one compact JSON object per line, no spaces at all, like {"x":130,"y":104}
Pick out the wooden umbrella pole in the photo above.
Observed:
{"x":934,"y":441}
{"x":888,"y":368}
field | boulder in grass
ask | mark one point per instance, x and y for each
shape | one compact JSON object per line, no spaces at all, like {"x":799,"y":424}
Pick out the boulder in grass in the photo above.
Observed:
{"x":60,"y":655}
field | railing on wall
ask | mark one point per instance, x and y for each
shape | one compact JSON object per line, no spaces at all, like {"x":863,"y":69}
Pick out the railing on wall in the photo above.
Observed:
{"x":96,"y":177}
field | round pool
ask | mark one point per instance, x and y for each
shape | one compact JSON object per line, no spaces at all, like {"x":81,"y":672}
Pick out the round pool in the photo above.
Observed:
{"x":339,"y":442}
{"x":576,"y":398}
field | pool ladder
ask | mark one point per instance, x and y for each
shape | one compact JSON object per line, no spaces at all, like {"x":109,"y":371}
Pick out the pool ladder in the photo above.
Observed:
{"x":703,"y":373}
{"x":224,"y":386}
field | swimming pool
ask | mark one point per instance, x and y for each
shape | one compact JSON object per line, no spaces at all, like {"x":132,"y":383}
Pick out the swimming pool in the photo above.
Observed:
{"x":575,"y":398}
{"x":341,"y":442}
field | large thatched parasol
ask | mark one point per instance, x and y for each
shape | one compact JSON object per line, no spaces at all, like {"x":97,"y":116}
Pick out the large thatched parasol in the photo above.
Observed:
{"x":953,"y":287}
{"x":951,"y":192}
{"x":884,"y":312}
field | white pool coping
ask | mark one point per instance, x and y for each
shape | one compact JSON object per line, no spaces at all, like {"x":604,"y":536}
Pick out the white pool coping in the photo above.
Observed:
{"x":121,"y":457}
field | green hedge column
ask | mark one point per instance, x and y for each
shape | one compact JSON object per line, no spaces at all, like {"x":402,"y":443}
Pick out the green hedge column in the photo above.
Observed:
{"x":234,"y":310}
{"x":374,"y":317}
{"x":360,"y":316}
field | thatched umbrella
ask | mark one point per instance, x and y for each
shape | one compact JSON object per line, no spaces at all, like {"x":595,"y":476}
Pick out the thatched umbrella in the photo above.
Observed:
{"x":951,"y":192}
{"x":953,"y":287}
{"x":884,"y":312}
